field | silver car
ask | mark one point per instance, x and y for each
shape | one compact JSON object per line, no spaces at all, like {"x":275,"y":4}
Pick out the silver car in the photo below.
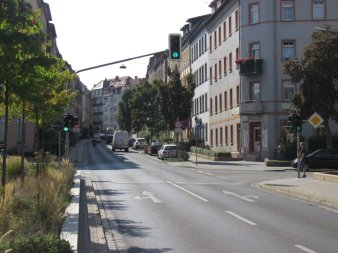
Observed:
{"x":167,"y":151}
{"x":139,"y":143}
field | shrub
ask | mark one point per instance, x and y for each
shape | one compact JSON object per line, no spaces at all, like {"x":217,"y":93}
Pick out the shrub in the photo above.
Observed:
{"x":183,"y":155}
{"x":43,"y":243}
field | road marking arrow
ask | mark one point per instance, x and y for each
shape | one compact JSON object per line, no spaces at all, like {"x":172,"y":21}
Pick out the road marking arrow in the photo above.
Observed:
{"x":148,"y":195}
{"x":246,"y":198}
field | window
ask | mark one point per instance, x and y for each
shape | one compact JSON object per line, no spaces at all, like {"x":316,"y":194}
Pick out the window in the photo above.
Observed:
{"x":225,"y":65}
{"x":230,"y":26}
{"x":230,"y":62}
{"x":237,"y":95}
{"x":254,"y":13}
{"x":255,"y":88}
{"x":237,"y":54}
{"x":210,"y":106}
{"x":215,"y":104}
{"x":224,"y":30}
{"x":211,"y":138}
{"x":215,"y":72}
{"x":288,"y":10}
{"x":231,"y":135}
{"x":226,"y":135}
{"x":220,"y":102}
{"x":206,"y":101}
{"x":221,"y":136}
{"x":231,"y":103}
{"x":220,"y":68}
{"x":210,"y":74}
{"x":216,"y":137}
{"x":225,"y":100}
{"x":288,"y":50}
{"x":318,"y":9}
{"x":219,"y":35}
{"x":210,"y":44}
{"x":288,"y":90}
{"x":205,"y":72}
{"x":236,"y":20}
{"x":255,"y":51}
{"x":215,"y":39}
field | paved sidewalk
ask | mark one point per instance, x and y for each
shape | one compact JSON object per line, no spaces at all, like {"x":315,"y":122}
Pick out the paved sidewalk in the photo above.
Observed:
{"x":86,"y":226}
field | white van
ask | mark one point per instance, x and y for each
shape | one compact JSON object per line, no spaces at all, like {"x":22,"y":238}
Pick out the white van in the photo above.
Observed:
{"x":120,"y":140}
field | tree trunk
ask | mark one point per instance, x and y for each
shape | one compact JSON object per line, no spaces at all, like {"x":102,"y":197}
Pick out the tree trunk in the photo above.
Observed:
{"x":4,"y":155}
{"x":22,"y":167}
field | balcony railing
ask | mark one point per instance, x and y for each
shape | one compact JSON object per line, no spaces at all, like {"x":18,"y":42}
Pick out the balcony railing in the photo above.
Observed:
{"x":251,"y":107}
{"x":249,"y":67}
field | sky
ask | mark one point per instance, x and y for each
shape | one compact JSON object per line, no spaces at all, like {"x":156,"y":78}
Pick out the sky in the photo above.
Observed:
{"x":91,"y":33}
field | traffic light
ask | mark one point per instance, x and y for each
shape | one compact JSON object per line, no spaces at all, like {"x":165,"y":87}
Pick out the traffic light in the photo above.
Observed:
{"x":175,"y":46}
{"x":298,"y":123}
{"x":74,"y":121}
{"x":66,"y":123}
{"x":295,"y":120}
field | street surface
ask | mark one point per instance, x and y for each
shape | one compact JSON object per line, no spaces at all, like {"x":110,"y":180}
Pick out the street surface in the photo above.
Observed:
{"x":155,"y":207}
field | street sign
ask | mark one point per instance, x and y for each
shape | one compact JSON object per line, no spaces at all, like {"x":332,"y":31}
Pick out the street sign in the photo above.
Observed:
{"x":178,"y":124}
{"x":315,"y":120}
{"x":178,"y":130}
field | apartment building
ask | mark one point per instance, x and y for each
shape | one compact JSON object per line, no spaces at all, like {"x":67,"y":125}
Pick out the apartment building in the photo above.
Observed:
{"x":242,"y":94}
{"x":107,"y":94}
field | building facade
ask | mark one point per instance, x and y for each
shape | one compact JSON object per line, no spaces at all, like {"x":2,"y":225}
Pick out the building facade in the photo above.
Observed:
{"x":242,"y":95}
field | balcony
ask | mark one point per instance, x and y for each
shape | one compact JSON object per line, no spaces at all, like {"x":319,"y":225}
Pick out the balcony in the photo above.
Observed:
{"x":250,"y":67}
{"x":251,"y":107}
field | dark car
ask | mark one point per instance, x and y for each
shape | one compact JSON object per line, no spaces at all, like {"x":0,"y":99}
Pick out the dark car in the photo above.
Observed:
{"x":321,"y":158}
{"x":154,"y":147}
{"x":131,"y":142}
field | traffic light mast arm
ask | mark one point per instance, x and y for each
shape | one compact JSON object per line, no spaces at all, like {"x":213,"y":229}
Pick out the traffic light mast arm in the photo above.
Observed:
{"x":115,"y":62}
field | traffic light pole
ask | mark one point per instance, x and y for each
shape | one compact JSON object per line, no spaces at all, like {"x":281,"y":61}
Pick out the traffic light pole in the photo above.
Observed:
{"x":298,"y":154}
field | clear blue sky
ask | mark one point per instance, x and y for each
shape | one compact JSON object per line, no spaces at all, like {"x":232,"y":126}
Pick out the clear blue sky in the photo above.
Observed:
{"x":91,"y":32}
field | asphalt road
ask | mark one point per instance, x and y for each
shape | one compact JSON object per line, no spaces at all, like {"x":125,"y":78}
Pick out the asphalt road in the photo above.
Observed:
{"x":153,"y":207}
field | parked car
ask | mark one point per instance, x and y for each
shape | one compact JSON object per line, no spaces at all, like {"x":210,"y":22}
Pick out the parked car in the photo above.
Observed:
{"x":321,"y":158}
{"x":120,"y":140}
{"x":154,"y":147}
{"x":167,"y":151}
{"x":139,"y":143}
{"x":131,"y":142}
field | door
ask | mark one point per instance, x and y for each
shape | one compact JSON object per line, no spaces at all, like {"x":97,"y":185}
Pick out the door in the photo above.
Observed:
{"x":257,"y":138}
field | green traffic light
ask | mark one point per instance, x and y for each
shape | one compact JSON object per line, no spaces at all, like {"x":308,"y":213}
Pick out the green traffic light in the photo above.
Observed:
{"x":66,"y":129}
{"x":175,"y":55}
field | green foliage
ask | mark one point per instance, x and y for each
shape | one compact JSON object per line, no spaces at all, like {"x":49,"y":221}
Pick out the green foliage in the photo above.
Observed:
{"x":183,"y":155}
{"x":211,"y":153}
{"x":41,"y":243}
{"x":317,"y":71}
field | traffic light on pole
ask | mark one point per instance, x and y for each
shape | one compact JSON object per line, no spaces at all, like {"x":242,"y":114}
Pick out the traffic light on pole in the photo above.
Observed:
{"x":175,"y":46}
{"x":66,"y":123}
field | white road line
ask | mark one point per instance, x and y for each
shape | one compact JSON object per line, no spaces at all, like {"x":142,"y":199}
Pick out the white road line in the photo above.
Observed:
{"x":241,"y":218}
{"x":209,"y":174}
{"x":303,"y":248}
{"x":246,"y":198}
{"x":187,"y":191}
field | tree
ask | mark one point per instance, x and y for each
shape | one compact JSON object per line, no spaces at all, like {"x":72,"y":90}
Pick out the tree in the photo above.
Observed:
{"x":27,"y":71}
{"x":317,"y":72}
{"x":174,"y":99}
{"x":124,"y":117}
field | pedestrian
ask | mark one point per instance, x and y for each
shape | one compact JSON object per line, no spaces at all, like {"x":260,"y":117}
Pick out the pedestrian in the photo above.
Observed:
{"x":302,"y":158}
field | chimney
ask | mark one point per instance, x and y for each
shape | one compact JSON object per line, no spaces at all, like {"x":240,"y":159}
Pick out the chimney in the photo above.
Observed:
{"x":136,"y":77}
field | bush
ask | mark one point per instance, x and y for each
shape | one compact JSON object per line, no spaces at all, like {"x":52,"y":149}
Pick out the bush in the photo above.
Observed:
{"x":211,"y":153}
{"x":183,"y":155}
{"x":44,"y":243}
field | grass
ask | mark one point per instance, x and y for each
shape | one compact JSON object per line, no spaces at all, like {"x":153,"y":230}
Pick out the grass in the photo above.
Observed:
{"x":35,"y":206}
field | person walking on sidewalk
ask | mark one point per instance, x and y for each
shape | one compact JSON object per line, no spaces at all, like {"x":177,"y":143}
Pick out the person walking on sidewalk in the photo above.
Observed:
{"x":302,"y":158}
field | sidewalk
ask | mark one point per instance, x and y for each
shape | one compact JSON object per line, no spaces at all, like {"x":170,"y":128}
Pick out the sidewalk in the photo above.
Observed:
{"x":86,"y":227}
